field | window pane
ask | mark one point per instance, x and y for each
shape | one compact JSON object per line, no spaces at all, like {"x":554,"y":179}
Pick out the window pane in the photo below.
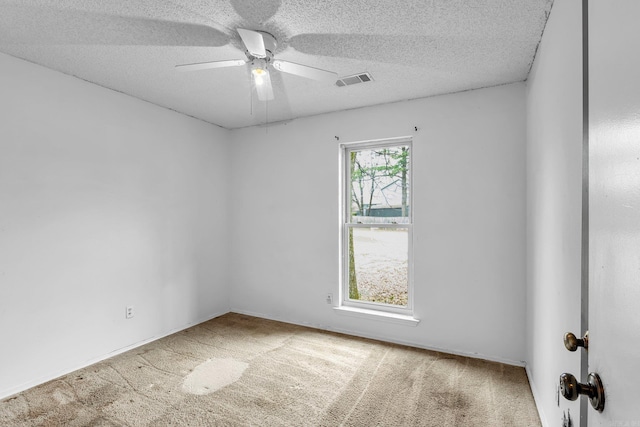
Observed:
{"x":380,"y":185}
{"x":378,"y":265}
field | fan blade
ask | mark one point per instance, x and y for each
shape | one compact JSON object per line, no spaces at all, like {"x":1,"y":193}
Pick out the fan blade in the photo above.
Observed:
{"x":43,"y":25}
{"x":208,"y":65}
{"x":305,"y":71}
{"x":254,"y":42}
{"x":264,"y":88}
{"x":281,"y":105}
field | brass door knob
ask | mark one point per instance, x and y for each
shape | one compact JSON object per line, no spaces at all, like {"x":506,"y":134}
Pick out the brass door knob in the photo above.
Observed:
{"x":593,"y":389}
{"x":571,"y":342}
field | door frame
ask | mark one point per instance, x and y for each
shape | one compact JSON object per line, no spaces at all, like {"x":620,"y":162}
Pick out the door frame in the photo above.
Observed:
{"x":584,"y":316}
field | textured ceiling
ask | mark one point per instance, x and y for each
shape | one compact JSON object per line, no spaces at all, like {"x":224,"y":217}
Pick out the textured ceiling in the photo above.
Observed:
{"x":411,"y":48}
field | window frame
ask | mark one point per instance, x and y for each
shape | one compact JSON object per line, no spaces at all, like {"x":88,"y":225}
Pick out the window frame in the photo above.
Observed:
{"x":345,"y":225}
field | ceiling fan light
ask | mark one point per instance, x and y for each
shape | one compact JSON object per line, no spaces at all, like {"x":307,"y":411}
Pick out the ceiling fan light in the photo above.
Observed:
{"x":258,"y":72}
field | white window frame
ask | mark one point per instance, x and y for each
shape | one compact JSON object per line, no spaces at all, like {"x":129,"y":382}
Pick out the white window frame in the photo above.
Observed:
{"x":345,"y":225}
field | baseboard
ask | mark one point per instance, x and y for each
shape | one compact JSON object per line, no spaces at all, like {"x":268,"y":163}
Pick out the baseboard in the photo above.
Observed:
{"x":29,"y":384}
{"x":536,"y":397}
{"x":382,"y":338}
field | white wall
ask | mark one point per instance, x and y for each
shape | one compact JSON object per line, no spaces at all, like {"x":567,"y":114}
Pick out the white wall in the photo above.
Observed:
{"x":554,"y":185}
{"x":105,"y":201}
{"x":469,"y":207}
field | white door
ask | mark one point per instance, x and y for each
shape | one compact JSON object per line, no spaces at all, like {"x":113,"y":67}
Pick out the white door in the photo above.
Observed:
{"x":614,"y":208}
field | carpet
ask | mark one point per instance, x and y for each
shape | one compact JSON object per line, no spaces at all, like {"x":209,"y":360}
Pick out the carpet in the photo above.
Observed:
{"x":237,"y":370}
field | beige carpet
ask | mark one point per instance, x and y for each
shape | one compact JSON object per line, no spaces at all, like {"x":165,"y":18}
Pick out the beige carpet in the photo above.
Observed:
{"x":237,"y":370}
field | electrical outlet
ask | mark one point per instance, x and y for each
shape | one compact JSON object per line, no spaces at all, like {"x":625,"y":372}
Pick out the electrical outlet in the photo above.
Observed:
{"x":129,"y":312}
{"x":329,"y":298}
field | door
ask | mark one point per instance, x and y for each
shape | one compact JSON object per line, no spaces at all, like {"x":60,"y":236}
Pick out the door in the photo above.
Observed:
{"x":614,"y":208}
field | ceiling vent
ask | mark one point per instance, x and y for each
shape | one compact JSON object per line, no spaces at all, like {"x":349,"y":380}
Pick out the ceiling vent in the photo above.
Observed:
{"x":355,"y":79}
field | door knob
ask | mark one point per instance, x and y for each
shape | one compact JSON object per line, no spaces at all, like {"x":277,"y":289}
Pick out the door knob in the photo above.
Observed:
{"x":593,"y":389}
{"x":571,"y":342}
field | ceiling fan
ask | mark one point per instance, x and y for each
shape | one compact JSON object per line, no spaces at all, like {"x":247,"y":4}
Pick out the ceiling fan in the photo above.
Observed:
{"x":260,"y":47}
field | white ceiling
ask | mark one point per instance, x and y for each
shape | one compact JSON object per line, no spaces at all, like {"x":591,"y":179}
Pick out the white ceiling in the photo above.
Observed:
{"x":412,"y":49}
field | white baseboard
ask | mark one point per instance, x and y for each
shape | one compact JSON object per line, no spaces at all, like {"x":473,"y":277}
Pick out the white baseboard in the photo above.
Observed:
{"x":536,"y":398}
{"x":29,"y":384}
{"x":383,"y":338}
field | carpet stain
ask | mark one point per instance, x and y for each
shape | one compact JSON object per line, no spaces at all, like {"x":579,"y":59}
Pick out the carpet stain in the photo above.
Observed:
{"x":212,"y":375}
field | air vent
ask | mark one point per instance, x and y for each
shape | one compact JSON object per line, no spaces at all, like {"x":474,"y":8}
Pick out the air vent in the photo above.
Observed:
{"x":355,"y":79}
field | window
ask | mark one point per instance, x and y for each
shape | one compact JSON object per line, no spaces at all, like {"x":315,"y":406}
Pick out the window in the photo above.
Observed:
{"x":377,"y":226}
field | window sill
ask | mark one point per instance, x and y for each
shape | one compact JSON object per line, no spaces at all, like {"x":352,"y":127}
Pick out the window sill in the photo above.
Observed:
{"x":383,"y":316}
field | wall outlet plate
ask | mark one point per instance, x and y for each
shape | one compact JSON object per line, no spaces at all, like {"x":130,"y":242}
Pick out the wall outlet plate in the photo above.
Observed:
{"x":129,"y":312}
{"x":329,"y":298}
